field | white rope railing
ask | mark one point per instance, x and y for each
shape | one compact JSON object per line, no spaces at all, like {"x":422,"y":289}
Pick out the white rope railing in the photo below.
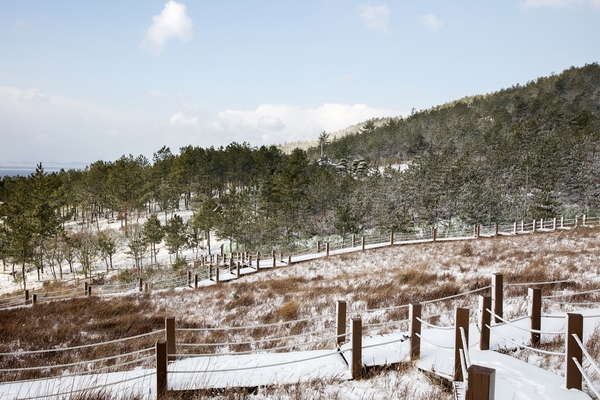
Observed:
{"x":384,"y":324}
{"x":511,"y":323}
{"x":571,"y":294}
{"x":256,"y":341}
{"x":434,"y":326}
{"x":260,"y":366}
{"x":245,"y":327}
{"x":83,"y":346}
{"x":586,"y":377}
{"x":551,"y":353}
{"x":587,"y":354}
{"x":456,"y":295}
{"x":378,"y":309}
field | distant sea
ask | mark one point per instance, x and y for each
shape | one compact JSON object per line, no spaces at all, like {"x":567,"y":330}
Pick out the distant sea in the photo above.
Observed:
{"x":8,"y":171}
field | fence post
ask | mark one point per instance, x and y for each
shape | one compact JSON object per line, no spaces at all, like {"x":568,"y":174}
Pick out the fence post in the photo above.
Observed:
{"x":195,"y":281}
{"x":257,"y":261}
{"x":210,"y":271}
{"x":461,"y":320}
{"x":562,"y":221}
{"x":541,"y":224}
{"x":482,"y":383}
{"x":414,"y":312}
{"x":475,"y":231}
{"x":327,"y":249}
{"x":534,"y":225}
{"x":189,"y":278}
{"x":34,"y":299}
{"x":356,"y":363}
{"x":362,"y":244}
{"x":495,"y":229}
{"x":89,"y":292}
{"x":170,"y":336}
{"x":274,"y":260}
{"x":318,"y":246}
{"x":515,"y":229}
{"x":222,"y":249}
{"x":498,"y":295}
{"x":433,"y":233}
{"x":554,"y":224}
{"x":485,"y":320}
{"x":392,"y":238}
{"x":146,"y":288}
{"x":340,"y":310}
{"x":217,"y":275}
{"x":161,"y":369}
{"x":26,"y":296}
{"x":141,"y":282}
{"x":574,"y":327}
{"x":522,"y":225}
{"x":290,"y":259}
{"x":583,"y":220}
{"x":353,"y":240}
{"x":85,"y":286}
{"x":535,"y":313}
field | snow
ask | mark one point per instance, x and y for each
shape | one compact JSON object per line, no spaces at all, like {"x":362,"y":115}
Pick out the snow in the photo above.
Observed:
{"x":515,"y":379}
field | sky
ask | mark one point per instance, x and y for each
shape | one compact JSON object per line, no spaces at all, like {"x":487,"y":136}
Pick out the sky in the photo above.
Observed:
{"x":85,"y":81}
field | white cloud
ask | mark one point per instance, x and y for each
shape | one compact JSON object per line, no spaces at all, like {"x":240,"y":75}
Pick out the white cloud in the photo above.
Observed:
{"x":276,"y":123}
{"x":431,"y":22}
{"x":375,"y":18}
{"x":172,"y":22}
{"x":528,"y":4}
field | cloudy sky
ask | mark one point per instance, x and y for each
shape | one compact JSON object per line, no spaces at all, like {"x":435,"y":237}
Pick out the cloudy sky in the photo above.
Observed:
{"x":83,"y":81}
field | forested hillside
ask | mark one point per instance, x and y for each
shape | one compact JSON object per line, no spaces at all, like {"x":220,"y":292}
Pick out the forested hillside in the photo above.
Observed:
{"x":521,"y":153}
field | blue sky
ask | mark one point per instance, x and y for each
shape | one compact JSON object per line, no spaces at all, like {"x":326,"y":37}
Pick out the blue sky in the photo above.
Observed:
{"x":83,"y":81}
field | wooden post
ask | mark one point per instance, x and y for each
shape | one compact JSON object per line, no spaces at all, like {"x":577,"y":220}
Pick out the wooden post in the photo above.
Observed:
{"x":26,"y":296}
{"x":146,"y":288}
{"x":461,"y":319}
{"x":541,"y":224}
{"x":534,"y":225}
{"x":281,"y":257}
{"x":485,"y":320}
{"x":195,"y":281}
{"x":327,"y":249}
{"x":362,"y":243}
{"x":574,"y":327}
{"x":554,"y":224}
{"x":392,"y":238}
{"x":414,"y":312}
{"x":161,"y":369}
{"x":289,"y":260}
{"x":258,"y":261}
{"x":222,"y":249}
{"x":141,"y":282}
{"x":170,"y":336}
{"x":249,"y":259}
{"x":85,"y":286}
{"x":238,"y":272}
{"x":495,"y":229}
{"x":340,"y":309}
{"x":210,"y":271}
{"x":522,"y":225}
{"x":34,"y":299}
{"x":433,"y":234}
{"x":318,"y":246}
{"x":482,"y":383}
{"x":583,"y":220}
{"x":535,"y":313}
{"x":89,"y":293}
{"x":515,"y":229}
{"x":274,"y":260}
{"x":356,"y":362}
{"x":498,"y":295}
{"x":562,"y":222}
{"x":353,"y":240}
{"x":189,"y":278}
{"x":217,"y":275}
{"x":475,"y":231}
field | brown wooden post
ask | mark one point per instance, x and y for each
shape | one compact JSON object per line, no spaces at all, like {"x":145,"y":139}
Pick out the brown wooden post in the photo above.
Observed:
{"x":362,"y":243}
{"x":414,"y":312}
{"x":161,"y":369}
{"x":274,"y":260}
{"x":249,"y":259}
{"x":281,"y":257}
{"x":461,"y":319}
{"x":434,"y":234}
{"x":327,"y":249}
{"x":485,"y":320}
{"x":498,"y":295}
{"x":340,"y":310}
{"x":554,"y":224}
{"x":535,"y":313}
{"x":356,"y":362}
{"x":141,"y":282}
{"x":34,"y":299}
{"x":574,"y":327}
{"x":170,"y":336}
{"x":210,"y":271}
{"x":392,"y":238}
{"x":146,"y":288}
{"x":482,"y":383}
{"x":222,"y":249}
{"x":562,"y":222}
{"x":353,"y":240}
{"x":189,"y":278}
{"x":289,"y":260}
{"x":217,"y":275}
{"x":495,"y":229}
{"x":89,"y":293}
{"x":26,"y":296}
{"x":515,"y":229}
{"x":195,"y":281}
{"x":85,"y":286}
{"x":534,"y":225}
{"x":583,"y":220}
{"x":475,"y":230}
{"x":318,"y":246}
{"x":238,"y":272}
{"x":258,"y":261}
